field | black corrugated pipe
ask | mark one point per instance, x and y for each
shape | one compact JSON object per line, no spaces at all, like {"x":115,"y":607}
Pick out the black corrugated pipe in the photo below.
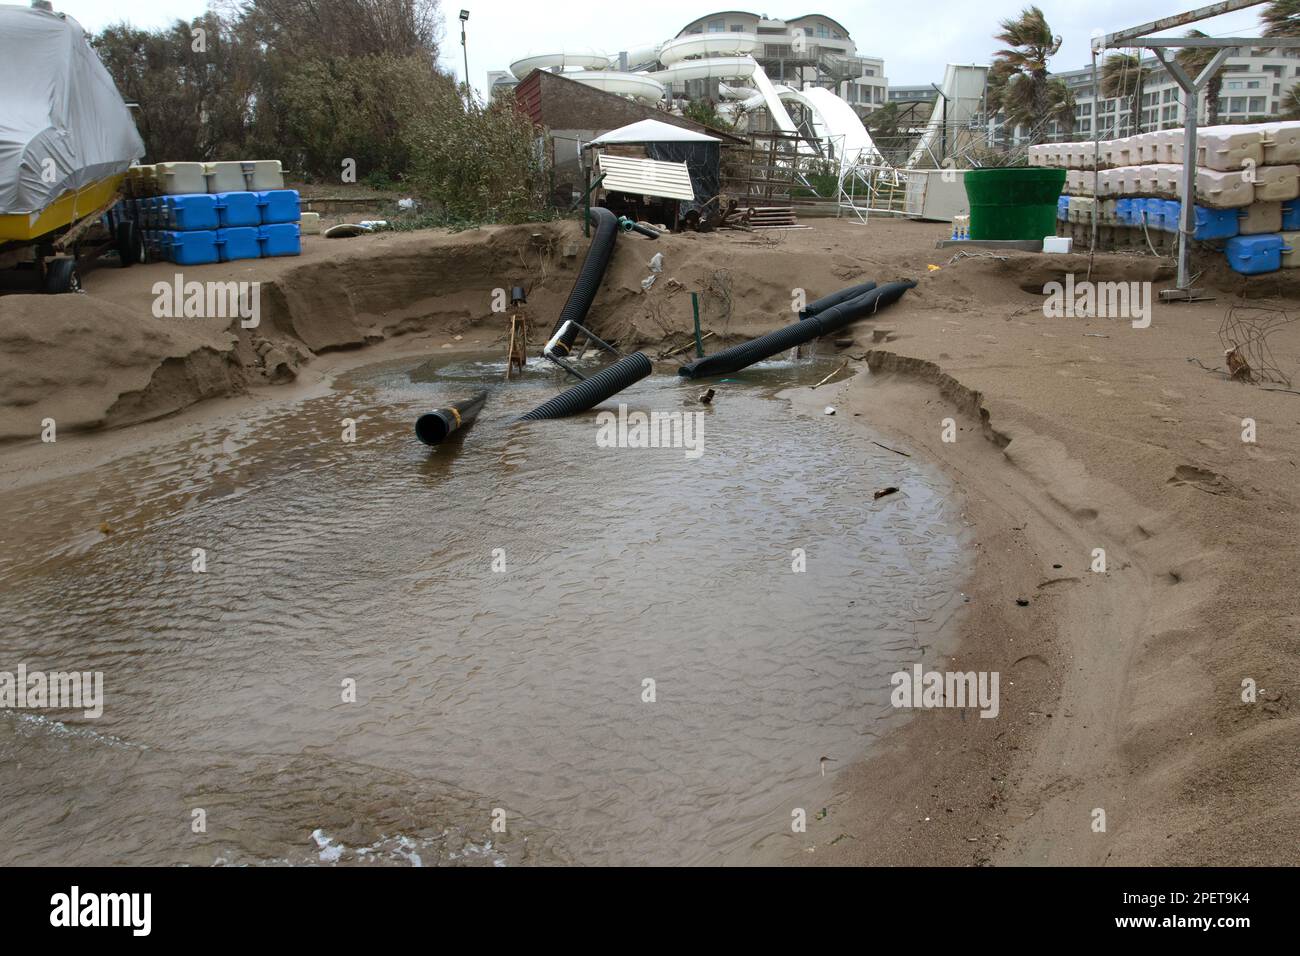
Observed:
{"x":826,"y":321}
{"x":747,"y":353}
{"x":609,"y":380}
{"x":589,"y":276}
{"x":838,"y":316}
{"x":835,"y":298}
{"x":433,"y":428}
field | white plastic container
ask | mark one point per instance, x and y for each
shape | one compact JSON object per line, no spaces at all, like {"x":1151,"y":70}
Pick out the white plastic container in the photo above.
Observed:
{"x":1229,"y":147}
{"x":1147,"y":180}
{"x":1057,"y":245}
{"x":1291,"y":260}
{"x":179,"y":179}
{"x":1277,"y":183}
{"x":1261,"y":217}
{"x":1167,"y":179}
{"x":1223,"y":190}
{"x":310,"y":224}
{"x":1142,"y":149}
{"x":1281,"y":142}
{"x":1129,"y":180}
{"x":225,"y":177}
{"x":266,"y":174}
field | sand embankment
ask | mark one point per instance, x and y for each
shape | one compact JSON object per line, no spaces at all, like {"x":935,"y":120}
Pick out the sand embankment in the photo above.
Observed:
{"x":104,"y":359}
{"x":1121,"y":691}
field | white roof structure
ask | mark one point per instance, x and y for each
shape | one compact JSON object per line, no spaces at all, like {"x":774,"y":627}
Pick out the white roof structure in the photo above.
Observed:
{"x":652,"y":131}
{"x":62,"y":123}
{"x":646,"y":177}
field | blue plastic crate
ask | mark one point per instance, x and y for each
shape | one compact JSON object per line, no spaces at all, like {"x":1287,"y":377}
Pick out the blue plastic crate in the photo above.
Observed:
{"x":1291,"y":215}
{"x":280,"y":239}
{"x":1153,"y":210}
{"x":279,"y":205}
{"x":1171,"y":212}
{"x":192,"y":248}
{"x":1063,"y":208}
{"x":1256,"y":255}
{"x":1216,"y":223}
{"x":1124,"y":211}
{"x":238,"y":209}
{"x":191,"y":211}
{"x":238,"y":242}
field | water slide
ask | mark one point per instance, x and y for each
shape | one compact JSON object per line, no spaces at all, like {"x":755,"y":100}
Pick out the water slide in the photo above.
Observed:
{"x":716,"y":56}
{"x":962,"y":92}
{"x":592,"y":68}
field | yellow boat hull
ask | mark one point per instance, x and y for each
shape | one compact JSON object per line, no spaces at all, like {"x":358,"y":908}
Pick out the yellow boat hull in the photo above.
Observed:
{"x":64,"y":211}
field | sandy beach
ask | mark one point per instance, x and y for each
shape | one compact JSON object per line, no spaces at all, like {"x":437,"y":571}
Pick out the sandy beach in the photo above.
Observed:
{"x":1122,"y":689}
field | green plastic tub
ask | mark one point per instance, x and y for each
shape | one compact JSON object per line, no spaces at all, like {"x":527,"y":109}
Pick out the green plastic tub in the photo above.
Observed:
{"x":1013,"y":203}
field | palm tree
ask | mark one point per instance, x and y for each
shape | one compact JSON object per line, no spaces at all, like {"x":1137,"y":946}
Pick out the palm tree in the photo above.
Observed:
{"x":1123,"y":75}
{"x":1196,"y":59}
{"x":1282,"y":19}
{"x":1019,"y":76}
{"x":1061,"y":104}
{"x":1290,"y":105}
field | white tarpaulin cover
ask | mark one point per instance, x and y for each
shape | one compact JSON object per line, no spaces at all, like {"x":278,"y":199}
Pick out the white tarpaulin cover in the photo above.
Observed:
{"x":652,"y":131}
{"x":62,"y":123}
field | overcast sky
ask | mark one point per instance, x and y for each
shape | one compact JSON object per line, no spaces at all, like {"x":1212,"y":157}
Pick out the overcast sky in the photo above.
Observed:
{"x":916,"y":38}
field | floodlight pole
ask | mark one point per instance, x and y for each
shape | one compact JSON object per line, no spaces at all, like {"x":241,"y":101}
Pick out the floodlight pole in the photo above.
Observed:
{"x":464,"y":18}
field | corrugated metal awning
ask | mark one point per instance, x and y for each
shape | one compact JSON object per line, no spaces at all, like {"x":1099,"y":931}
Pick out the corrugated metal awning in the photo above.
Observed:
{"x":645,"y":177}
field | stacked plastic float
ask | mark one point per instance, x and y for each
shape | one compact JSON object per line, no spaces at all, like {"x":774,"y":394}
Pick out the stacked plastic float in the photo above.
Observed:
{"x":1247,"y":192}
{"x":197,"y":213}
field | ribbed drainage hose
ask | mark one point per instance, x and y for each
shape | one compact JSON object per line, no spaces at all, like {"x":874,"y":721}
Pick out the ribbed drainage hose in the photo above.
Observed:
{"x":433,"y":428}
{"x":592,"y":391}
{"x":838,"y":316}
{"x":589,"y":276}
{"x":828,"y":319}
{"x":747,"y":353}
{"x":835,"y":298}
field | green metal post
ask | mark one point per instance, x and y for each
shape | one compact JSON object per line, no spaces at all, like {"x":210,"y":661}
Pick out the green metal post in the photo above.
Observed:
{"x":699,"y":342}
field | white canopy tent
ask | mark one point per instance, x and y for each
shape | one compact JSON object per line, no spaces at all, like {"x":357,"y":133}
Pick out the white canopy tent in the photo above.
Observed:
{"x":651,"y":131}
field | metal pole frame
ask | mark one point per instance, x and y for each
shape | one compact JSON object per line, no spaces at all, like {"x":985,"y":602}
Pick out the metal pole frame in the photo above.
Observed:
{"x":1140,"y":37}
{"x":1191,"y":115}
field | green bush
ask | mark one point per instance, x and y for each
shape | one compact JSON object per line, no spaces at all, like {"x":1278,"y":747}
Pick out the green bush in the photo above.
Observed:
{"x":480,"y":164}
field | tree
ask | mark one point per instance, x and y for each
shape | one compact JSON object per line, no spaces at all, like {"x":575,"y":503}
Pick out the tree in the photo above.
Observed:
{"x":1122,"y":77}
{"x":1282,"y":19}
{"x":705,"y":112}
{"x":312,"y":82}
{"x":1194,"y":60}
{"x":1019,"y":73}
{"x":1290,"y":105}
{"x":479,"y":164}
{"x":1061,"y":105}
{"x":886,"y":123}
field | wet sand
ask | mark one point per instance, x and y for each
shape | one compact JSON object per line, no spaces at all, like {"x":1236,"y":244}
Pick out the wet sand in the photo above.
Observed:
{"x":1121,"y":690}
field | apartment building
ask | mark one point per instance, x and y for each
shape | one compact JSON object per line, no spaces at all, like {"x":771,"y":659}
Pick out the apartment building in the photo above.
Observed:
{"x":1255,"y":85}
{"x":810,"y":50}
